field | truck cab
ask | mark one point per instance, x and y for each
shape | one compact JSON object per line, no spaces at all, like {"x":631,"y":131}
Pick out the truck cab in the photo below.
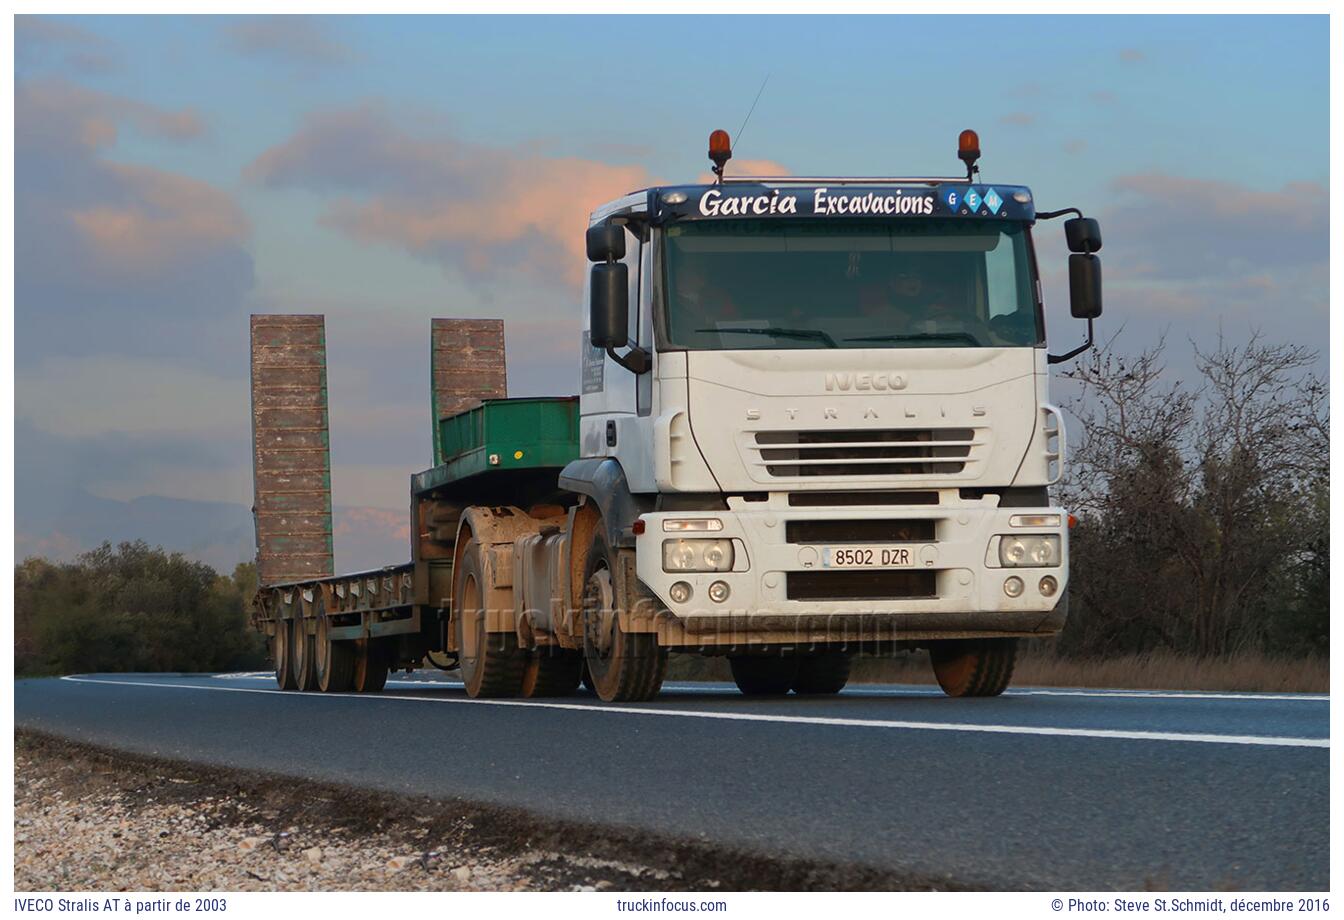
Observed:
{"x":824,"y":404}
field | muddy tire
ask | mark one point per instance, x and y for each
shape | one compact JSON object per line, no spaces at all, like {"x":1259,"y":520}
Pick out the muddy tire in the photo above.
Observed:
{"x":763,"y":675}
{"x":551,"y":671}
{"x":369,"y":666}
{"x":491,"y":664}
{"x":824,"y":673}
{"x":283,"y":655}
{"x":303,"y":656}
{"x":335,"y":661}
{"x":974,"y":667}
{"x":621,"y":666}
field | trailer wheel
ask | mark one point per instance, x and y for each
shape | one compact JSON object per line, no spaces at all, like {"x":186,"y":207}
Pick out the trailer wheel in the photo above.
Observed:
{"x":369,"y":674}
{"x":551,"y":671}
{"x":491,"y":663}
{"x":973,"y":667}
{"x":282,"y":654}
{"x":335,"y":660}
{"x":302,"y":659}
{"x":826,"y":672}
{"x":621,"y":666}
{"x":763,"y":675}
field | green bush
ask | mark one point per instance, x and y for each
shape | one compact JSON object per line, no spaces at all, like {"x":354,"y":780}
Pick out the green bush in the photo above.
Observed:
{"x":133,"y":608}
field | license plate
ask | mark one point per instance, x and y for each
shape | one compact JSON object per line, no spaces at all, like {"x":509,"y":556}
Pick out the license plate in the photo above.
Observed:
{"x":867,"y":557}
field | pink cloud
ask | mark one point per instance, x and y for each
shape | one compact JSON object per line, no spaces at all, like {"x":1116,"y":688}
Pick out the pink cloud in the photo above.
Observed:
{"x":478,"y":209}
{"x":55,"y":110}
{"x":534,"y":207}
{"x":162,"y":216}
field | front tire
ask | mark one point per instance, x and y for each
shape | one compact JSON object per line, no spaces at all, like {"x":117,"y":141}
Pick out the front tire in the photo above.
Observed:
{"x":763,"y":675}
{"x":974,"y":667}
{"x":621,"y":666}
{"x":821,"y":674}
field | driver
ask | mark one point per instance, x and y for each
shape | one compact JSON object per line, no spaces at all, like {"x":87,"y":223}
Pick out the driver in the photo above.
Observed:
{"x":699,"y":302}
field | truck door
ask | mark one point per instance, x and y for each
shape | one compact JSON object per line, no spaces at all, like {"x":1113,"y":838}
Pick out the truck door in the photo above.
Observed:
{"x":607,"y":390}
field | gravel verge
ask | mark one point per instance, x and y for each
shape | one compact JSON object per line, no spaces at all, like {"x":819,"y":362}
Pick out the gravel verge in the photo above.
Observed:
{"x":91,"y":819}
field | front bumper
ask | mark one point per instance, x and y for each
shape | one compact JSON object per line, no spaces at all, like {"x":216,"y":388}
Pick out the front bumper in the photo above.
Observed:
{"x":960,"y":588}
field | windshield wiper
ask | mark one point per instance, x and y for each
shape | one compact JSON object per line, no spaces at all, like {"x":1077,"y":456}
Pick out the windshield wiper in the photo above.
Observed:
{"x":918,"y":337}
{"x":780,"y":332}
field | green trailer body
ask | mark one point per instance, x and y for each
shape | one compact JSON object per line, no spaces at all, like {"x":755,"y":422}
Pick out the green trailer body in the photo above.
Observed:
{"x":521,"y":436}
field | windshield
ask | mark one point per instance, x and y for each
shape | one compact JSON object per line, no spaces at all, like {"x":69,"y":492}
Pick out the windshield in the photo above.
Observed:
{"x":737,"y":284}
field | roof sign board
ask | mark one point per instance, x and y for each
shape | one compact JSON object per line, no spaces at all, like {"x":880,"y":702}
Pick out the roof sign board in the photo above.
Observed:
{"x":734,"y":200}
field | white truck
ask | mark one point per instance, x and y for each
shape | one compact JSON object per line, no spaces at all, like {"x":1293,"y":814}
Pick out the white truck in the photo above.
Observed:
{"x":814,"y":421}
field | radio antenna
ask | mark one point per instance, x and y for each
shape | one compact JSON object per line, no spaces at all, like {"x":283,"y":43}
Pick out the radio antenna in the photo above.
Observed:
{"x":738,"y":135}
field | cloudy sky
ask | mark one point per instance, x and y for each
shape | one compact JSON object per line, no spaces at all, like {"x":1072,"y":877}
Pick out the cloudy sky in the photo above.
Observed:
{"x":174,"y":175}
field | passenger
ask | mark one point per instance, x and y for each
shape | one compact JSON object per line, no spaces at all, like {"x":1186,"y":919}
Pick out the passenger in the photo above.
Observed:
{"x":700,"y":303}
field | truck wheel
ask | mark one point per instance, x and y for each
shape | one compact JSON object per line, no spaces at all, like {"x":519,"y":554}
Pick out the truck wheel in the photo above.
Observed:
{"x":335,"y":660}
{"x":551,"y":671}
{"x":622,"y":666}
{"x":763,"y":675}
{"x":827,"y":672}
{"x":302,"y":659}
{"x":491,"y":663}
{"x":283,"y":655}
{"x":369,"y":674}
{"x":973,"y":667}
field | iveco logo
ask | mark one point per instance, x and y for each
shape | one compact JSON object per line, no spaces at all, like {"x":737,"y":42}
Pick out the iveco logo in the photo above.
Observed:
{"x":860,"y":382}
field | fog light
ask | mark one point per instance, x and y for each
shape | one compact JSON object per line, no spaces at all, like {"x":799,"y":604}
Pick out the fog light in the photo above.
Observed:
{"x":719,"y":591}
{"x":680,"y":592}
{"x":1012,"y":586}
{"x":1049,"y":586}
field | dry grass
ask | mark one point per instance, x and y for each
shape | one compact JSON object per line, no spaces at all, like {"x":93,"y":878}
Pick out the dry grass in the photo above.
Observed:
{"x":1152,"y":671}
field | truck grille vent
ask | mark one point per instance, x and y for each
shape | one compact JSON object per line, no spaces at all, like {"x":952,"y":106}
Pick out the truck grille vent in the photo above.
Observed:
{"x":861,"y":585}
{"x":859,"y":531}
{"x":837,"y":499}
{"x":864,"y":452}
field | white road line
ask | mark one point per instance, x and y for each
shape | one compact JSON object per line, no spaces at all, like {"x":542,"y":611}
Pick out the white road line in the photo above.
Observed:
{"x":870,"y":690}
{"x":1260,"y":740}
{"x":1181,"y":695}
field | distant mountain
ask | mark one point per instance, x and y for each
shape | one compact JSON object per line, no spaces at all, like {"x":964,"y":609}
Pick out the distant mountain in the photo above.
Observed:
{"x":219,"y":534}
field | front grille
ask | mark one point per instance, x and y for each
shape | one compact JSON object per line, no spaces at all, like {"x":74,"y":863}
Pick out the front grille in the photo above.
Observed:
{"x":861,"y":585}
{"x":864,"y":452}
{"x":837,"y":499}
{"x":859,"y":531}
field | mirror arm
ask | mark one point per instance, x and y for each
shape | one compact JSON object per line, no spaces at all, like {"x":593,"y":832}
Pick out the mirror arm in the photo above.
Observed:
{"x":1051,"y":215}
{"x":1056,"y":359}
{"x":636,"y":360}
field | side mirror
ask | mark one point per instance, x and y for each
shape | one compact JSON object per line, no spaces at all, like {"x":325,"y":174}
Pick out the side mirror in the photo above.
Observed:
{"x":606,"y":243}
{"x":1084,"y":285}
{"x":609,"y":301}
{"x":1083,"y":234}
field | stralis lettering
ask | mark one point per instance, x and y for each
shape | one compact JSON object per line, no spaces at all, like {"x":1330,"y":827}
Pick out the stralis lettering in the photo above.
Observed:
{"x":713,"y":204}
{"x":871,"y":203}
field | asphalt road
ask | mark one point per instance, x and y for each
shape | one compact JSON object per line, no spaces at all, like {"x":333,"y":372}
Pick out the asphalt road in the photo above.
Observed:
{"x":1041,"y":788}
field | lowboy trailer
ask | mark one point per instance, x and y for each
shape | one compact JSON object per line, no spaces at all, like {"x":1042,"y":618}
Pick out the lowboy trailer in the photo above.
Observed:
{"x":813,"y":421}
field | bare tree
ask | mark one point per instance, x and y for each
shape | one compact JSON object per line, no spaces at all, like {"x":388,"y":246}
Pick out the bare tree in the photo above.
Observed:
{"x":1200,"y":508}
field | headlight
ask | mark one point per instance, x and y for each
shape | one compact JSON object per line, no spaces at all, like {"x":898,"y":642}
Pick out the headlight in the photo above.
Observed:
{"x":697,"y":555}
{"x":1017,"y":552}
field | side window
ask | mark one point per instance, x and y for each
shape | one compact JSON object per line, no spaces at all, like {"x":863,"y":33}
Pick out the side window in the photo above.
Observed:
{"x":1001,"y":278}
{"x":632,"y":260}
{"x":644,"y":309}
